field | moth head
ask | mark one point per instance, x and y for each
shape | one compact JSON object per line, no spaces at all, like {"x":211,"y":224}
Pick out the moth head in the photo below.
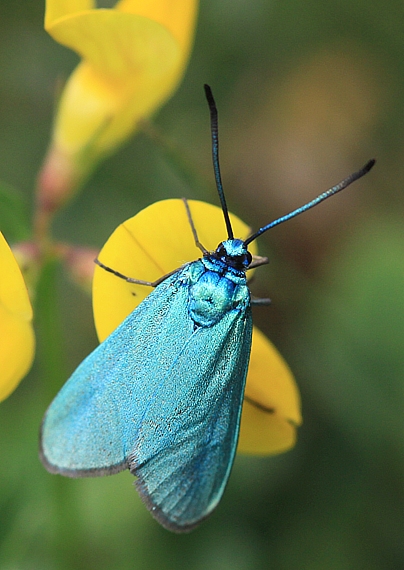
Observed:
{"x":234,"y":252}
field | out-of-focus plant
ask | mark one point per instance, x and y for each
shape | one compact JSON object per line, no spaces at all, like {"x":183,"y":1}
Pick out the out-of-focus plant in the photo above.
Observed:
{"x":17,"y":340}
{"x":133,"y":58}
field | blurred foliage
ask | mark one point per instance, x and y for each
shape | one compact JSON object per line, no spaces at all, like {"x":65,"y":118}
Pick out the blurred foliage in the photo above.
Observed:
{"x":13,"y":214}
{"x":307,"y":92}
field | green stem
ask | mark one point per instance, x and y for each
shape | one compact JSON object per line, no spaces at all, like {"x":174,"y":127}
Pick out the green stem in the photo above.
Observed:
{"x":52,"y":367}
{"x":51,"y":356}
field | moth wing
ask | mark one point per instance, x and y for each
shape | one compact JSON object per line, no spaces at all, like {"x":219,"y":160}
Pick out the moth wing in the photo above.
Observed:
{"x":91,"y":425}
{"x":186,"y":444}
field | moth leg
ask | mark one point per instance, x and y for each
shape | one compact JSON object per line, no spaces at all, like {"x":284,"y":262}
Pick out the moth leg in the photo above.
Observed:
{"x":193,"y":228}
{"x":131,"y":279}
{"x":257,"y":301}
{"x":259,"y":406}
{"x":257,"y":261}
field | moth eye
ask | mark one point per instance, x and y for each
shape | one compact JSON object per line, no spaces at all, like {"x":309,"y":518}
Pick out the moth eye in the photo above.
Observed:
{"x":221,"y":250}
{"x":249,"y":257}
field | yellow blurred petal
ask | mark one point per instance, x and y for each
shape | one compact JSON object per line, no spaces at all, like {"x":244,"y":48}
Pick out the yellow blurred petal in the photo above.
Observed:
{"x":151,"y":244}
{"x":133,"y":57}
{"x":131,"y":64}
{"x":17,"y":345}
{"x":177,"y":17}
{"x":118,"y":45}
{"x":56,"y":9}
{"x":13,"y":292}
{"x":271,"y":385}
{"x":86,"y":123}
{"x":17,"y":340}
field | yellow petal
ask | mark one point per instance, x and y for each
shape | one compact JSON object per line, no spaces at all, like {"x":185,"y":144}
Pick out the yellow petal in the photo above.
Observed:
{"x":119,"y":46}
{"x":271,"y":385}
{"x":13,"y":292}
{"x":177,"y":17}
{"x":132,"y":59}
{"x":17,"y":342}
{"x":151,"y":244}
{"x":56,"y":9}
{"x":117,"y":85}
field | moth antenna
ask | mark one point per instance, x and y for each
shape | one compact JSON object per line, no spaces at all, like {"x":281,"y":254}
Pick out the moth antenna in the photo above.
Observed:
{"x":327,"y":194}
{"x":215,"y":156}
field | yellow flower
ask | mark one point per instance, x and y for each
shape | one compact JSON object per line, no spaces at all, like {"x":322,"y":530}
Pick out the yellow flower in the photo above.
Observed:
{"x":133,"y":57}
{"x":17,"y":341}
{"x":158,"y":240}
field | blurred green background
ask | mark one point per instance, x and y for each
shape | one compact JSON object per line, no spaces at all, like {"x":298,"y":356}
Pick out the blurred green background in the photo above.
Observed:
{"x":307,"y":92}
